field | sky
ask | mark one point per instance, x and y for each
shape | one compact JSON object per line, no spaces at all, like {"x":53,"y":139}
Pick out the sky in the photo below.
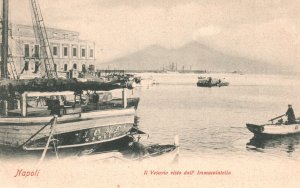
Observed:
{"x":265,"y":30}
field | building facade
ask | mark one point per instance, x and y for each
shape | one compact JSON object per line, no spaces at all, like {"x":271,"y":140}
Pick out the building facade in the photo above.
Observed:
{"x":68,"y":50}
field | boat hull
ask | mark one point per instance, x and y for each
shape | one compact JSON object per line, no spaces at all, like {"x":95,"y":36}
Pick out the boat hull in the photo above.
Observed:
{"x":206,"y":84}
{"x":273,"y":130}
{"x":34,"y":153}
{"x":162,"y":153}
{"x":74,"y":130}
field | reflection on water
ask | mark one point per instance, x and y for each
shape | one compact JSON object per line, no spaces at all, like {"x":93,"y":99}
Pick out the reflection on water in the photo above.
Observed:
{"x":285,"y":143}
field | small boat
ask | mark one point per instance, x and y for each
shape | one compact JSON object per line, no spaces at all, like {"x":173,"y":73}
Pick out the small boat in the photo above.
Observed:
{"x":164,"y":152}
{"x":271,"y":130}
{"x":136,"y":151}
{"x":210,"y":82}
{"x":170,"y":151}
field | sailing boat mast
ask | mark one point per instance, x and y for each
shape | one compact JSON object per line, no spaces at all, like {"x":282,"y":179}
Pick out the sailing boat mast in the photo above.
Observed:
{"x":4,"y":48}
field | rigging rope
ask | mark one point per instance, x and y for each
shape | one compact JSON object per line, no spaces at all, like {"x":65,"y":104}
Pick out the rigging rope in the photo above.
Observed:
{"x":49,"y":139}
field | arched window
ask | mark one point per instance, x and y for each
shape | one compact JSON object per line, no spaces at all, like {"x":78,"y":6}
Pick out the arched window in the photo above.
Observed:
{"x":74,"y":66}
{"x":66,"y":67}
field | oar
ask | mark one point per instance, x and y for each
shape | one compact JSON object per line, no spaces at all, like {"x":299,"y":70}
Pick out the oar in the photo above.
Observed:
{"x":276,"y":117}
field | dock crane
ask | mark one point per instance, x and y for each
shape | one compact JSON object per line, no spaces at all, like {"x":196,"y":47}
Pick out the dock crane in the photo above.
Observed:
{"x":42,"y":37}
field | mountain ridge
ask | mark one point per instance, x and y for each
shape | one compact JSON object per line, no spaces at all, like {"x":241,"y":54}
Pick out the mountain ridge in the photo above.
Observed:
{"x":192,"y":55}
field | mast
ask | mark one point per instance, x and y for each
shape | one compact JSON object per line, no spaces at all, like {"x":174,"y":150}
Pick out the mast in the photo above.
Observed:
{"x":42,"y":37}
{"x":4,"y":48}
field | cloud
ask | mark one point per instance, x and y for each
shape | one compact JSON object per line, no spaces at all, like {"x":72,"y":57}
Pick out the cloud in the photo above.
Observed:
{"x":275,"y":41}
{"x":265,"y":30}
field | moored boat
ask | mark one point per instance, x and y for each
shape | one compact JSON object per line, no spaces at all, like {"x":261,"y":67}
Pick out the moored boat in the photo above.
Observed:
{"x":136,"y":151}
{"x":77,"y":124}
{"x":36,"y":114}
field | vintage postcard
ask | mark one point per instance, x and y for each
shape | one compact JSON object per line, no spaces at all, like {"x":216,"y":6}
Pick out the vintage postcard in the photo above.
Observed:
{"x":150,"y":93}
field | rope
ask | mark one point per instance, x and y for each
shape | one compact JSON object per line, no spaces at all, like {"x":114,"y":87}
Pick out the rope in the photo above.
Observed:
{"x":55,"y":147}
{"x":50,"y":122}
{"x":49,"y":139}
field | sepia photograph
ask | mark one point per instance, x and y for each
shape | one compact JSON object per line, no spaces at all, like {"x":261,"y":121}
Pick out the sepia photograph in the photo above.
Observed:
{"x":150,"y":93}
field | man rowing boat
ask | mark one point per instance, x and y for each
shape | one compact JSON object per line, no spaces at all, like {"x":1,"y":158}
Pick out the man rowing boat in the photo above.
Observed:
{"x":290,"y":114}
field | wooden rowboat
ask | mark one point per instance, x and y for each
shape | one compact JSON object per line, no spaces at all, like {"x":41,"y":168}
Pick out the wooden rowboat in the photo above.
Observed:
{"x":271,"y":130}
{"x":168,"y":153}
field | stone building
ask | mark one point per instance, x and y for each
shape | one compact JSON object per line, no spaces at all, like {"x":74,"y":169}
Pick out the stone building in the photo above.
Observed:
{"x":68,"y":50}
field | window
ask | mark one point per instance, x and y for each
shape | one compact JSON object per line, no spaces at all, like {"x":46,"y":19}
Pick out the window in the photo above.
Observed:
{"x":74,"y":52}
{"x":55,"y":50}
{"x":74,"y":66}
{"x":36,"y":67}
{"x":91,"y":53}
{"x":65,"y":51}
{"x":36,"y":51}
{"x":65,"y":67}
{"x":82,"y":52}
{"x":55,"y":67}
{"x":26,"y":50}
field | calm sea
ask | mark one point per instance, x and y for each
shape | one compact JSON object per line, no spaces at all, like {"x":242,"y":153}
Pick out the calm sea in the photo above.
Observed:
{"x":211,"y":125}
{"x":212,"y":121}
